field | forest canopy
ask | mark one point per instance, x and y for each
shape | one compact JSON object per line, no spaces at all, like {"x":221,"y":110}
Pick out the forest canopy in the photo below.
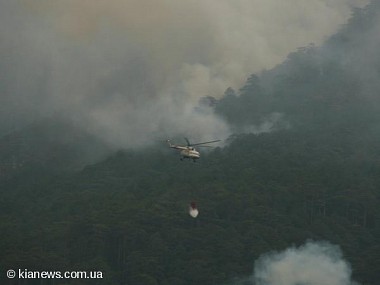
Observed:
{"x":303,"y":164}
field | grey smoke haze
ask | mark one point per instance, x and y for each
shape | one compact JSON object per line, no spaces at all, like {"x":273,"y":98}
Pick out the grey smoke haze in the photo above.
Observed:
{"x":132,"y":71}
{"x":314,"y":263}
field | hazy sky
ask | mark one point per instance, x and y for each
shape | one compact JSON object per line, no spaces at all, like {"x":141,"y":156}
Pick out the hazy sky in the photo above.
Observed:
{"x":131,"y":71}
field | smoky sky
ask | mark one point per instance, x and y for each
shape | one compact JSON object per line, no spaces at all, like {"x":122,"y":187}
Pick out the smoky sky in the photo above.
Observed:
{"x":132,"y":71}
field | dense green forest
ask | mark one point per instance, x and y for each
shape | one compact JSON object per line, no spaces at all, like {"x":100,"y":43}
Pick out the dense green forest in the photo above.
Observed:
{"x":309,"y":170}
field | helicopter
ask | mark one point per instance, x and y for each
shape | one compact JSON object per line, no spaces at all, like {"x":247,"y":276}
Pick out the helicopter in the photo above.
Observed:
{"x":189,"y":151}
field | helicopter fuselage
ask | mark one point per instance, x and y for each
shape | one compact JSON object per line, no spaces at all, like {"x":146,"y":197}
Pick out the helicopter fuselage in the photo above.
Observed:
{"x":190,"y":153}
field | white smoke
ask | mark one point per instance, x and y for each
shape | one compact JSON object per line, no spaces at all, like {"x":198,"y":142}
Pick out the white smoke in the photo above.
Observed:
{"x":314,"y":263}
{"x":271,"y":122}
{"x":132,"y":71}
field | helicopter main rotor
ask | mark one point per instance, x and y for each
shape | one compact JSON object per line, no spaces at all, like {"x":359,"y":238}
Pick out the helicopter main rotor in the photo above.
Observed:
{"x":202,"y":144}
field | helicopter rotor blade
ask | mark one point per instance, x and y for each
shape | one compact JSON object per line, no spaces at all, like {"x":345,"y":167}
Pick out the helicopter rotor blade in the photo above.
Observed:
{"x":188,"y":142}
{"x":194,"y":144}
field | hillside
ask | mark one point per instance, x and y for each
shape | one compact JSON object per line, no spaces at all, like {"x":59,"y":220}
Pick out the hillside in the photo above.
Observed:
{"x":304,"y":164}
{"x":261,"y":193}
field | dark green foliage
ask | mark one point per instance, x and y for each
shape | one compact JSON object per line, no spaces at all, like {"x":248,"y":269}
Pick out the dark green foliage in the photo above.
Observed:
{"x":128,"y":215}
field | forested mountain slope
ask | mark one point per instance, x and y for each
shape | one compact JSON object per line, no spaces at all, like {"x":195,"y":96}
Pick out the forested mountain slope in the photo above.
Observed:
{"x":309,"y":169}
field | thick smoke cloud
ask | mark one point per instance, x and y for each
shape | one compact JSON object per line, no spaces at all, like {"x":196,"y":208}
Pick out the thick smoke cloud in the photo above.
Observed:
{"x":132,"y":71}
{"x":314,"y":263}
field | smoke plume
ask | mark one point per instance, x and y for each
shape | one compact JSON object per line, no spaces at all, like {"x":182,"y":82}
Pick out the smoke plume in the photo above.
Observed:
{"x":133,"y":71}
{"x":314,"y":263}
